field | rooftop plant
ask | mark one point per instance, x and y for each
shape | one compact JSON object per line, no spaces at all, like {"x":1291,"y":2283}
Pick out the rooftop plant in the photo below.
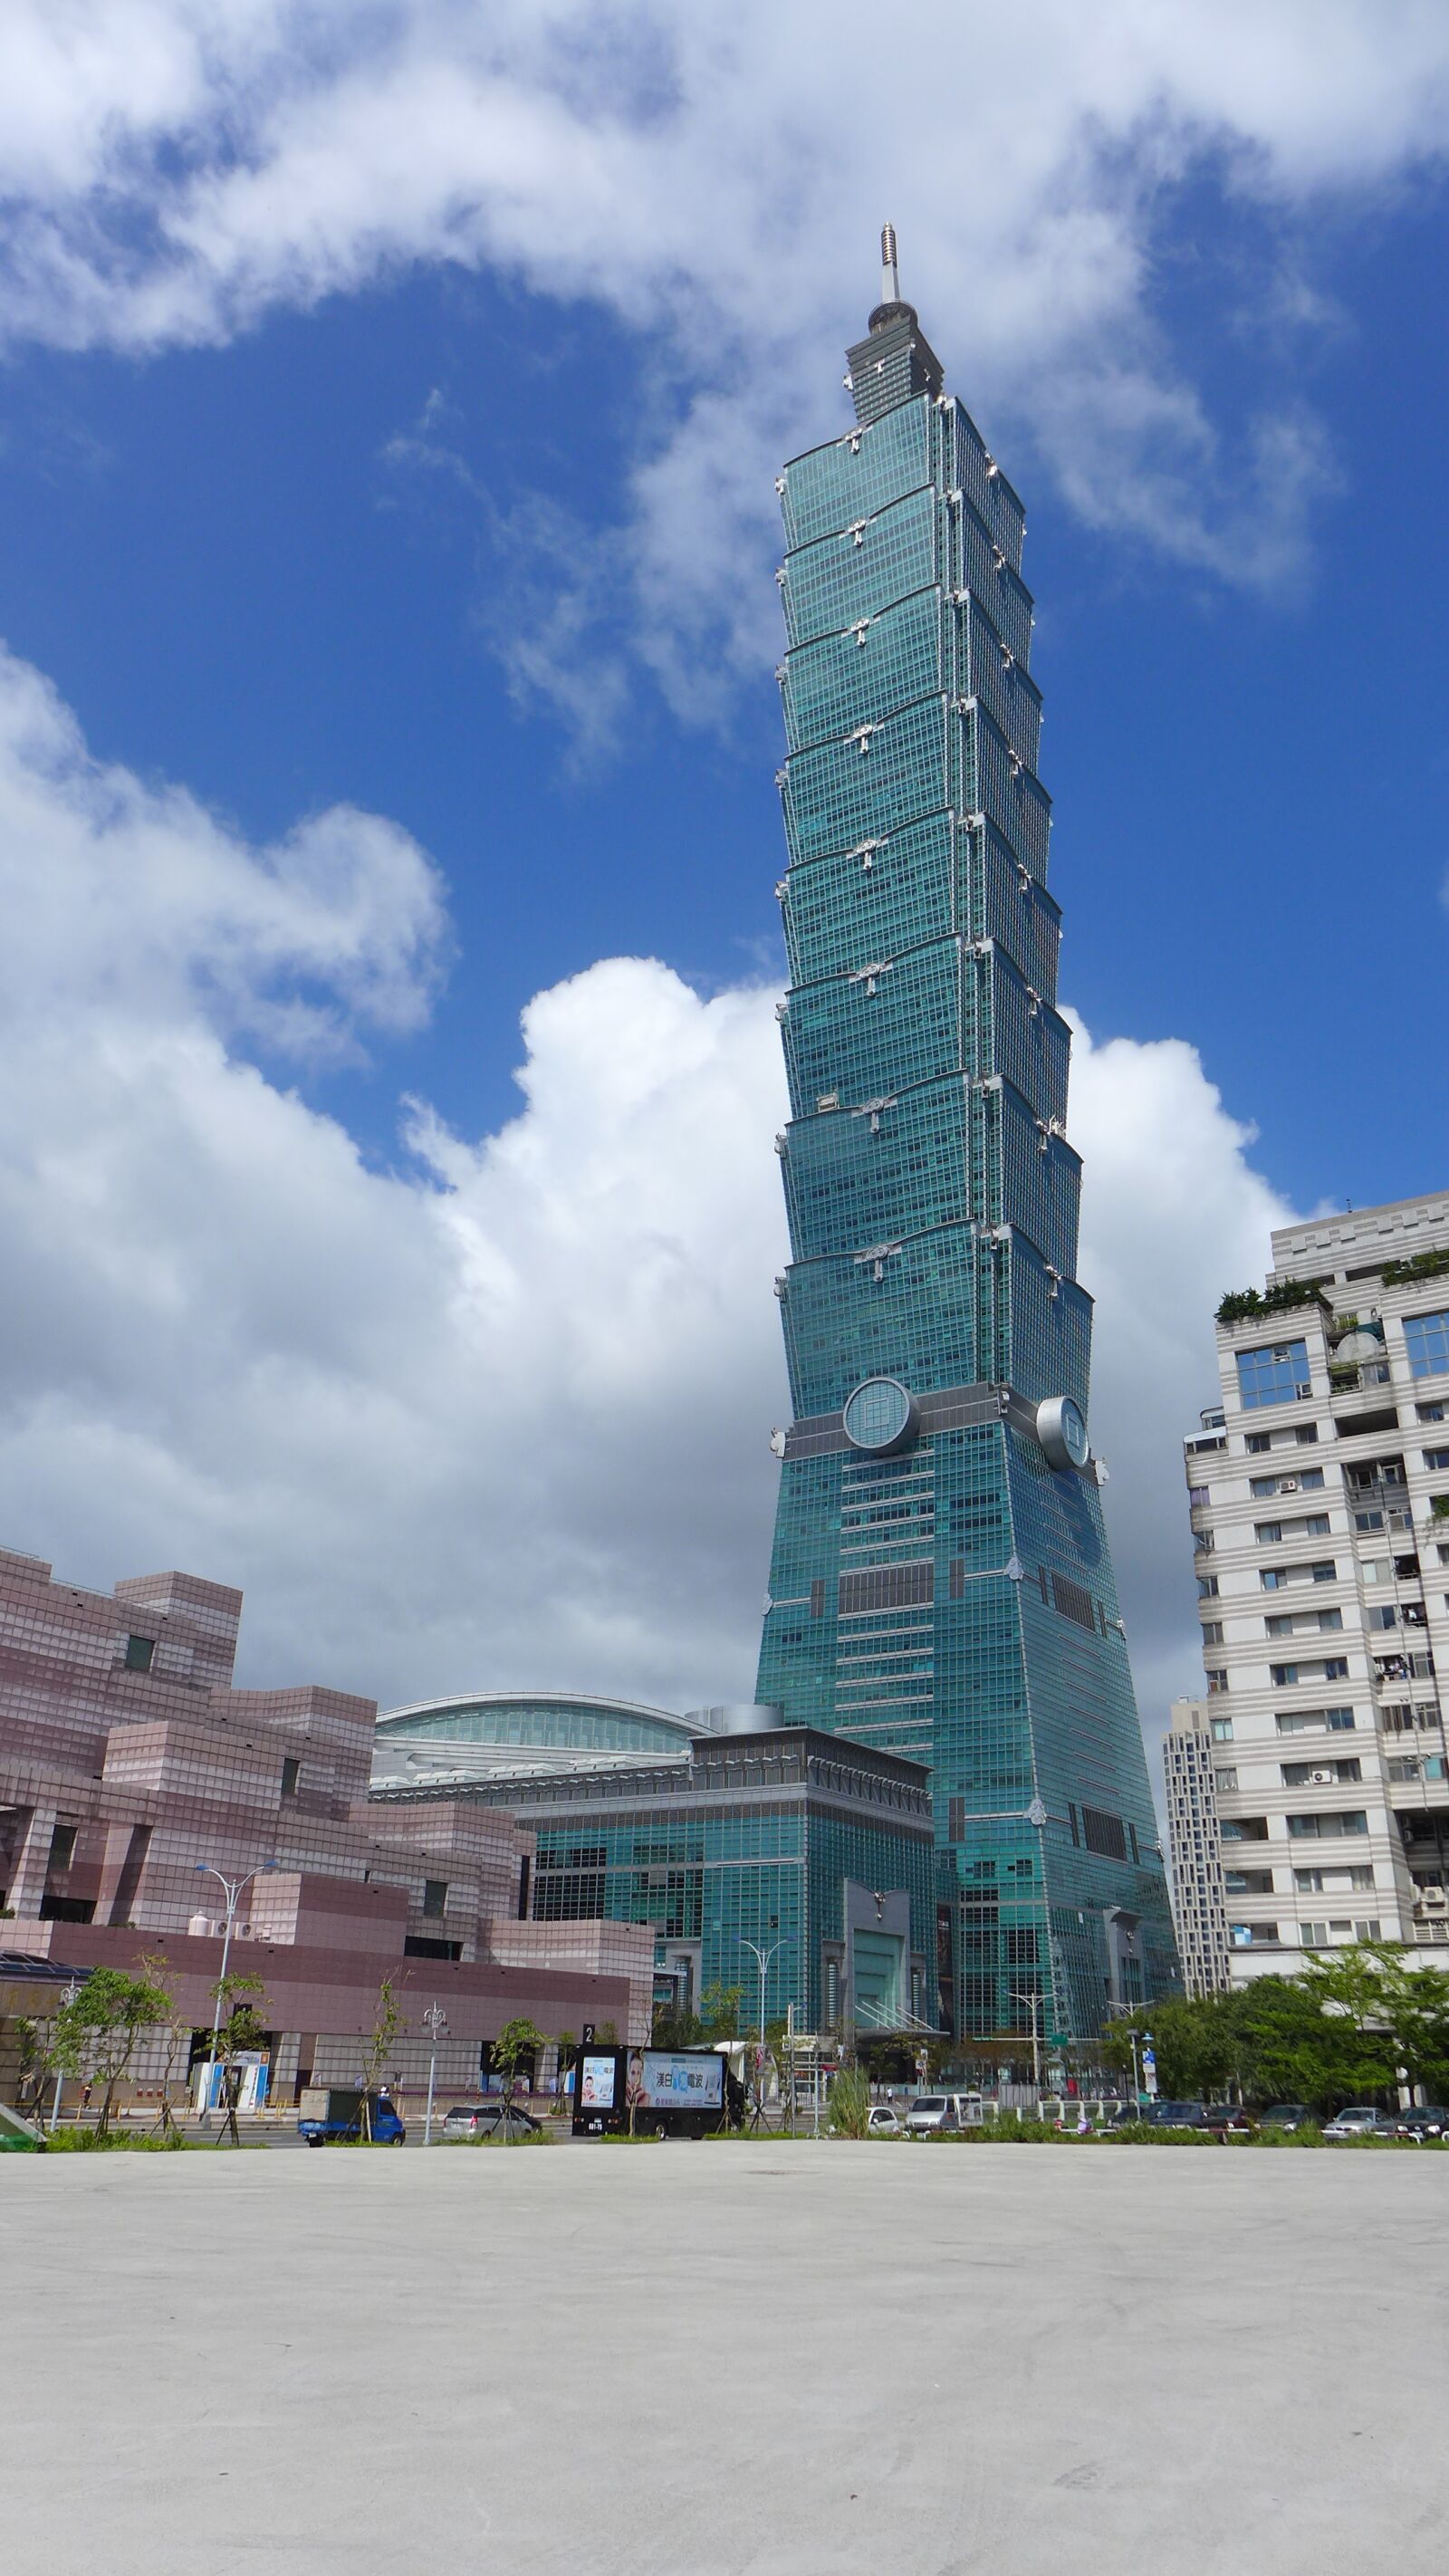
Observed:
{"x":1242,"y":1303}
{"x":1420,"y":1265}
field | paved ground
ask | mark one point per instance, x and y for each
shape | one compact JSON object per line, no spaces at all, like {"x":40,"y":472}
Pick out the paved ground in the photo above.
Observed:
{"x":697,"y":2360}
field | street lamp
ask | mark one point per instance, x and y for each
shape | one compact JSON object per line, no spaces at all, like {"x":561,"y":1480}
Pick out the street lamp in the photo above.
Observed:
{"x":233,"y":1887}
{"x":764,"y":1957}
{"x":70,"y":1996}
{"x":1034,"y":1999}
{"x":435,"y":2022}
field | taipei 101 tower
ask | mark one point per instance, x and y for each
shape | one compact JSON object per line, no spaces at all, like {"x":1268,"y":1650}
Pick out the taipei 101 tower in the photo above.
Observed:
{"x":941,"y":1584}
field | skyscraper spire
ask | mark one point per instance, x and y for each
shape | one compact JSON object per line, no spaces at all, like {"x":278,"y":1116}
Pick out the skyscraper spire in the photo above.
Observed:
{"x":890,"y":281}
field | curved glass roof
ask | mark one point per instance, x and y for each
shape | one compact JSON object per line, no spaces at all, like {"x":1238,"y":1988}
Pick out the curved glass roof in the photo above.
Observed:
{"x":517,"y":1730}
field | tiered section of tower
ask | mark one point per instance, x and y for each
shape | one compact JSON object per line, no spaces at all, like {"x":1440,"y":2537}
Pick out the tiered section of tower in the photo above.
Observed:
{"x":917,"y":1588}
{"x":926,"y":1056}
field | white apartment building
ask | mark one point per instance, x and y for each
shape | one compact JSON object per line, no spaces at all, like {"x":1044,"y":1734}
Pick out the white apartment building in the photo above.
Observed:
{"x":1318,"y":1492}
{"x":1200,"y":1901}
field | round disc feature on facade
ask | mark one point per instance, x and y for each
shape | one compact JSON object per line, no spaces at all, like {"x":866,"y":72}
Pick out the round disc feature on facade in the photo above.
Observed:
{"x":1061,"y":1428}
{"x":880,"y":1415}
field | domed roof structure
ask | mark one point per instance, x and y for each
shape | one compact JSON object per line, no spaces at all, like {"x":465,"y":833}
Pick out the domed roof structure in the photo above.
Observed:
{"x":481,"y":1734}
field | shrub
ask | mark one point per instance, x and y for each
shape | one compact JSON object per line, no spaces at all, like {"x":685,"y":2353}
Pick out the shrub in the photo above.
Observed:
{"x":850,"y":2104}
{"x":92,"y":2142}
{"x":1150,"y":2133}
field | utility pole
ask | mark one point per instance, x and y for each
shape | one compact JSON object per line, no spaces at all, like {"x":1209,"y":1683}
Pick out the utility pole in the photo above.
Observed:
{"x":233,"y":1887}
{"x":435,"y":2022}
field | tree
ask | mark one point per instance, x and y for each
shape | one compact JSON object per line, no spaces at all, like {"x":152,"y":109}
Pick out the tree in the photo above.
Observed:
{"x":1292,"y":2043}
{"x":22,"y":2060}
{"x":241,"y":1999}
{"x":517,"y":2041}
{"x":97,"y":2036}
{"x":564,"y":2048}
{"x":1195,"y":2043}
{"x":675,"y":2026}
{"x":376,"y":2052}
{"x":1414,"y":2002}
{"x":719,"y":2008}
{"x":175,"y":2041}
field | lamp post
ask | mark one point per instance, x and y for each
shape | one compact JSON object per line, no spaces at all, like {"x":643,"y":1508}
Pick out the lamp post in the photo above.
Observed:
{"x":233,"y":1887}
{"x":435,"y":2022}
{"x":763,"y":1957}
{"x":1034,"y":1999}
{"x":69,"y":1996}
{"x":1035,"y":1815}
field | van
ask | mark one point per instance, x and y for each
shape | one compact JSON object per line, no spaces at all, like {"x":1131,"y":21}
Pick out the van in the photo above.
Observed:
{"x":932,"y":2115}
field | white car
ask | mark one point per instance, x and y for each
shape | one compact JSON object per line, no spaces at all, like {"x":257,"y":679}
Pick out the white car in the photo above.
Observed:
{"x":884,"y":2122}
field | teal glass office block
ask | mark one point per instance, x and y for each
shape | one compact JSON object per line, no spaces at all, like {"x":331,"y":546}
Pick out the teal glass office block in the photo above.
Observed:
{"x":941,"y":1586}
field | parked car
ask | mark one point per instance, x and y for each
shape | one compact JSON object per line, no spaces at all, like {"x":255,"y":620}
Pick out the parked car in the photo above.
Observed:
{"x":1285,"y":2115}
{"x":1227,"y":2117}
{"x":932,"y":2115}
{"x":488,"y":2120}
{"x":1178,"y":2115}
{"x":1360,"y":2120}
{"x":1428,"y":2121}
{"x":884,"y":2122}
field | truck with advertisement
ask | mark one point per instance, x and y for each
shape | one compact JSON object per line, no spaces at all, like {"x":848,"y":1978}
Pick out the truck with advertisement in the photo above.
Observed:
{"x":655,"y":2092}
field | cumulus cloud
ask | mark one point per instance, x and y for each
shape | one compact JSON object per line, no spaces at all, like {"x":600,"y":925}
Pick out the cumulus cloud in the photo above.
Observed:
{"x":128,"y":890}
{"x":499,"y":1415}
{"x":1172,"y":1214}
{"x":174,"y":169}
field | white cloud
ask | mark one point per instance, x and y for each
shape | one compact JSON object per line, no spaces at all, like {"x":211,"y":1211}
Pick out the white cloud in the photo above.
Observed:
{"x":173,"y":169}
{"x":1172,"y":1214}
{"x":130,"y":890}
{"x":499,"y":1416}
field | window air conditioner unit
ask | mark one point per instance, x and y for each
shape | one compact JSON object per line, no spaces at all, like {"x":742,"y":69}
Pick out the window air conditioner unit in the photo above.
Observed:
{"x":1432,"y":1900}
{"x":1321,"y":1779}
{"x":1287,"y":1484}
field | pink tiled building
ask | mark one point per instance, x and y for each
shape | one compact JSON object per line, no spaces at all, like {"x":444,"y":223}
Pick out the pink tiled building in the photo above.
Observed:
{"x":127,"y":1758}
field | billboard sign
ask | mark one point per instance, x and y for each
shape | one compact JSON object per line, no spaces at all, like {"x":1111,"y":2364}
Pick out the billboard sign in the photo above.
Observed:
{"x":667,"y":2081}
{"x":596,"y":2091}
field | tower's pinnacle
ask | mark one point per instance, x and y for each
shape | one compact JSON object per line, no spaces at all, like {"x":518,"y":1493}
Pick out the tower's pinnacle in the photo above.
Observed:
{"x":890,"y":283}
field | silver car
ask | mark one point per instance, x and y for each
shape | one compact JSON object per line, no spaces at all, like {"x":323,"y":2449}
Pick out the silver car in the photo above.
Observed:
{"x":1360,"y":2120}
{"x":932,"y":2115}
{"x":473,"y":2120}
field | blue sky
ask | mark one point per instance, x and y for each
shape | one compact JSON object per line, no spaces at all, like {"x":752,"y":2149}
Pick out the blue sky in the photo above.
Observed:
{"x":387,"y":426}
{"x":212,"y":554}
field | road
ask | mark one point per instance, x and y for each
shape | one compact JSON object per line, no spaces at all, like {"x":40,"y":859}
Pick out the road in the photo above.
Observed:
{"x":773,"y":2359}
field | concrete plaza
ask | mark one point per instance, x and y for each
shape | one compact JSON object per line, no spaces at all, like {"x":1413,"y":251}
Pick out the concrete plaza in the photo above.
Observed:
{"x":701,"y":2360}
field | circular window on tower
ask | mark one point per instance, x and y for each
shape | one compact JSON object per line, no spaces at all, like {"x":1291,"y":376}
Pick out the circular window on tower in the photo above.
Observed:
{"x":880,"y":1415}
